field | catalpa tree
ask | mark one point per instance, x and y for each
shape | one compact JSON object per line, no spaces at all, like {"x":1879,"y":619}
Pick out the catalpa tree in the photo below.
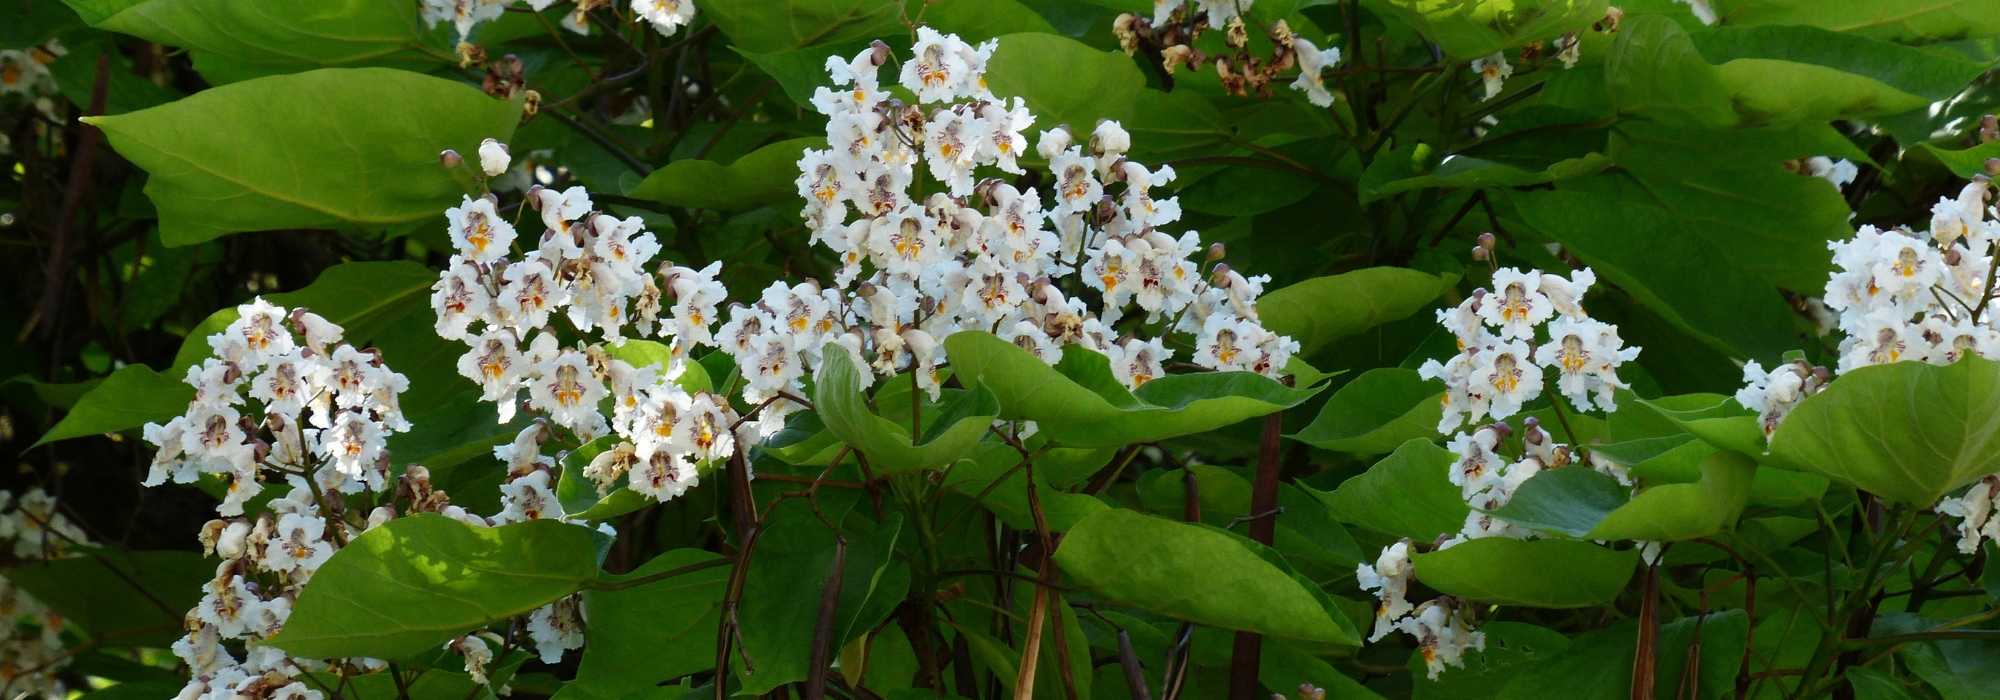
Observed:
{"x":898,"y":349}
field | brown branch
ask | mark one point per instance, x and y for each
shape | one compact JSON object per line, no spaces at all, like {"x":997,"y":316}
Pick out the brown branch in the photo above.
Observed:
{"x":1247,"y":655}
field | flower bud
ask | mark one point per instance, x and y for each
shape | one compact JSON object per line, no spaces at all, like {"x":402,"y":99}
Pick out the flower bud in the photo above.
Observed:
{"x":879,"y":52}
{"x":1479,"y":254}
{"x":1486,"y":240}
{"x":531,"y":104}
{"x":450,"y":159}
{"x":493,"y":157}
{"x":1217,"y":251}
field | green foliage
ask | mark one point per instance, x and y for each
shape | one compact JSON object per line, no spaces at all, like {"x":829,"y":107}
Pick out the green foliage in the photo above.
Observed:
{"x":408,"y":586}
{"x":1079,"y":403}
{"x":959,"y":423}
{"x":1538,"y":573}
{"x":1908,"y":432}
{"x":333,"y":147}
{"x":1198,"y":574}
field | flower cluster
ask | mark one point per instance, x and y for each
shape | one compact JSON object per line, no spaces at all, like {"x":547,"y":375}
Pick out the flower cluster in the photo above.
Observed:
{"x":283,"y":396}
{"x":1902,"y":295}
{"x":984,"y":254}
{"x":32,"y":654}
{"x":1176,"y":24}
{"x":590,"y":270}
{"x":665,"y":16}
{"x":1898,"y":295}
{"x":1511,"y":343}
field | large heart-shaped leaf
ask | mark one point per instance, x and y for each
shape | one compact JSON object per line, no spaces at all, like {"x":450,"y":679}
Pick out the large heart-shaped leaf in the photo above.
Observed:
{"x":1538,"y":573}
{"x":1376,"y":413}
{"x":1199,"y":574}
{"x":1408,"y":494}
{"x":324,"y":148}
{"x":1080,"y":404}
{"x":1906,"y":431}
{"x":760,"y":177}
{"x":131,"y":397}
{"x":1468,"y":29}
{"x":410,"y":585}
{"x":1321,"y":310}
{"x":1585,"y":504}
{"x":234,"y":40}
{"x":838,"y":400}
{"x":641,"y":636}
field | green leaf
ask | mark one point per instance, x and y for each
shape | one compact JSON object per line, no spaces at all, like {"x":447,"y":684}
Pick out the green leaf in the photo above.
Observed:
{"x":762,"y":26}
{"x":1655,"y":69}
{"x":1598,"y":664}
{"x":1714,"y":418}
{"x":989,"y":461}
{"x":1795,"y":74}
{"x":1467,"y":172}
{"x":324,"y":148}
{"x":412,"y":584}
{"x":1064,"y":80}
{"x":1653,"y":227}
{"x":641,"y":636}
{"x":233,"y":40}
{"x":1673,"y":512}
{"x":579,"y":495}
{"x":1968,"y":162}
{"x":119,"y":598}
{"x":1080,"y":404}
{"x":1468,"y":29}
{"x":1376,"y":413}
{"x":1197,"y":574}
{"x":782,"y":589}
{"x":1568,"y":501}
{"x":1407,"y":494}
{"x":761,"y":177}
{"x":1306,"y":531}
{"x":838,"y":400}
{"x":1535,"y":573}
{"x":1907,"y":431}
{"x":1958,"y":669}
{"x":131,"y":397}
{"x":1320,"y":310}
{"x":1893,"y":20}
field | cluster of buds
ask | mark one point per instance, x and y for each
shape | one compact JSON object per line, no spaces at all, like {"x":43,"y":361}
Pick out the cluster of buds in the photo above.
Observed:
{"x":665,"y":16}
{"x":1171,"y":33}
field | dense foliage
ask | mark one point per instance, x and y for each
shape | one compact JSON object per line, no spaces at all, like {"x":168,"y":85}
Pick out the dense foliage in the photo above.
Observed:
{"x":1000,"y":348}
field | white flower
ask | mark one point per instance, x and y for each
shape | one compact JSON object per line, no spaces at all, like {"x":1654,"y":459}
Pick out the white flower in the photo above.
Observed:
{"x":1839,"y":172}
{"x":1517,"y":305}
{"x":1508,"y":376}
{"x":477,"y":229}
{"x":1566,"y":295}
{"x":666,"y":16}
{"x":1493,"y":73}
{"x":1772,"y":394}
{"x":1077,"y":189}
{"x":565,"y":388}
{"x":1442,"y":636}
{"x":1389,"y":578}
{"x":528,"y":292}
{"x":354,"y":444}
{"x":259,"y":326}
{"x":559,"y":211}
{"x":1005,"y":139}
{"x":459,"y":299}
{"x":859,"y":74}
{"x":1586,"y":355}
{"x":495,"y":363}
{"x":556,"y":628}
{"x":528,"y":498}
{"x":1137,"y":361}
{"x":1974,"y":510}
{"x":937,"y":68}
{"x":300,"y":544}
{"x":663,"y":476}
{"x":1477,"y":466}
{"x":477,"y":656}
{"x":1313,"y":60}
{"x":952,"y":142}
